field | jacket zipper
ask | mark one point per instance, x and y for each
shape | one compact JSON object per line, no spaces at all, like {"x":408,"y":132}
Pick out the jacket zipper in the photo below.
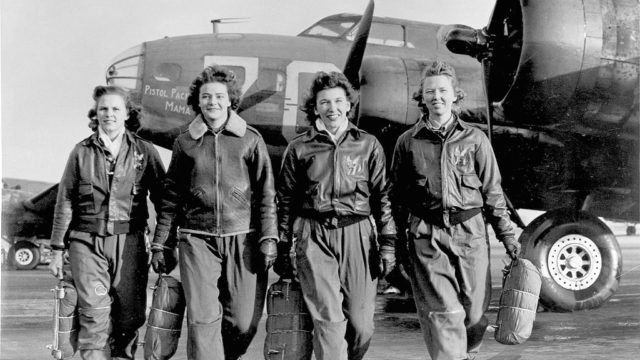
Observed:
{"x":105,"y":177}
{"x":217,"y":182}
{"x":336,"y":176}
{"x":443,"y":172}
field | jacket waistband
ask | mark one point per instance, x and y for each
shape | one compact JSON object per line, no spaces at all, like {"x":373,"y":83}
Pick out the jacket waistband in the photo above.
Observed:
{"x":104,"y":227}
{"x":436,"y":217}
{"x":331,"y":220}
{"x":203,"y":233}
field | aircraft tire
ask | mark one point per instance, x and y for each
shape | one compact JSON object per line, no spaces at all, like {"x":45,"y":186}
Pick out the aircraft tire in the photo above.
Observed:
{"x":25,"y":255}
{"x":578,"y":256}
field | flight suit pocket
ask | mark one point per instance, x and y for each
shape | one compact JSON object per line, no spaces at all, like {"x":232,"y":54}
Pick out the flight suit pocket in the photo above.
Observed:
{"x":301,"y":231}
{"x":471,"y":181}
{"x":240,"y":197}
{"x":369,"y":244}
{"x":362,"y":195}
{"x":470,"y":189}
{"x":86,"y":201}
{"x":311,"y":197}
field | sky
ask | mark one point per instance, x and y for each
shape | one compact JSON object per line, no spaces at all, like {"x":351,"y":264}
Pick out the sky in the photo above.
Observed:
{"x":54,"y":52}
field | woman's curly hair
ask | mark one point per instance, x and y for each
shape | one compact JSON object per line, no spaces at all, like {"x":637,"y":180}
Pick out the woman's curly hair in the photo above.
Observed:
{"x":324,"y":81}
{"x":135,"y":111}
{"x":215,"y":74}
{"x":440,"y":68}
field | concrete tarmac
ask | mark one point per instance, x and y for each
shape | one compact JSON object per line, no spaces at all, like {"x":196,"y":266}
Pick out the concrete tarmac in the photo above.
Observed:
{"x":610,"y":332}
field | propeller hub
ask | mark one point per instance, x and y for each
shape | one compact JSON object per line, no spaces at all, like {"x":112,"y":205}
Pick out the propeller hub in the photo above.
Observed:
{"x":466,"y":41}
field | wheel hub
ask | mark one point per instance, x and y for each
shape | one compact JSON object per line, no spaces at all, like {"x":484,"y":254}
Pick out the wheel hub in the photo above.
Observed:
{"x":575,"y":262}
{"x":23,"y":256}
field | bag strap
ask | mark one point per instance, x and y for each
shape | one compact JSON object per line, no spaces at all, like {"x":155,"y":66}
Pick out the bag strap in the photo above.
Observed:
{"x":507,"y":270}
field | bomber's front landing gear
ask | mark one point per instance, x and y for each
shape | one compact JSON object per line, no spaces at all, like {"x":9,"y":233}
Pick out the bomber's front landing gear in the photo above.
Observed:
{"x":578,"y":257}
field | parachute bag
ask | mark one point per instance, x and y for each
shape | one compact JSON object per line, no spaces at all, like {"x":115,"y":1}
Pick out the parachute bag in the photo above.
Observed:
{"x":518,"y":302}
{"x":65,"y":320}
{"x":164,"y":325}
{"x":289,"y":324}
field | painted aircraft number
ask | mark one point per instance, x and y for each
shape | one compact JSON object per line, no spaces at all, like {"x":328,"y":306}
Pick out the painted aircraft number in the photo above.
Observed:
{"x":298,"y":77}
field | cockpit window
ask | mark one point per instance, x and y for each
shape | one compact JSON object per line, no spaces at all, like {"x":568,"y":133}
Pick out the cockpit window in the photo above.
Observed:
{"x":167,"y":72}
{"x":329,"y":28}
{"x":124,"y":69}
{"x":383,"y":34}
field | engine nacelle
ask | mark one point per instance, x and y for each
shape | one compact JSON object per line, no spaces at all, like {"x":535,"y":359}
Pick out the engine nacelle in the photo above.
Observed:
{"x":389,"y":83}
{"x":387,"y":86}
{"x":573,"y":63}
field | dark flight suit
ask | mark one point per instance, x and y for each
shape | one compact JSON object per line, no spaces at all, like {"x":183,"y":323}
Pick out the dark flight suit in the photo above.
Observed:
{"x":327,"y":195}
{"x":220,"y":192}
{"x":102,"y":203}
{"x":442,"y":184}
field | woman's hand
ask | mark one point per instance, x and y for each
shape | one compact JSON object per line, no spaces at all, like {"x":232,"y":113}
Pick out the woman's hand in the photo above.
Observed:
{"x":55,"y":266}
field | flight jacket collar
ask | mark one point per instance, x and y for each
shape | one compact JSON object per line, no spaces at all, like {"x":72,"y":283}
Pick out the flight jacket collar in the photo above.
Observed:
{"x":235,"y":125}
{"x":420,"y":128}
{"x":351,"y":129}
{"x":94,"y":138}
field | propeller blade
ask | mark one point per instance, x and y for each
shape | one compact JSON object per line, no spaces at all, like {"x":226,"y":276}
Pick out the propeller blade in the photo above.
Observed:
{"x":481,"y":44}
{"x":495,"y":26}
{"x":356,"y":53}
{"x":487,"y":64}
{"x":486,"y":69}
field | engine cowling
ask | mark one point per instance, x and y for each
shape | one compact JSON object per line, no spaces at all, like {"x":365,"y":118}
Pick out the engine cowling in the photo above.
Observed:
{"x":387,"y":85}
{"x":571,"y":64}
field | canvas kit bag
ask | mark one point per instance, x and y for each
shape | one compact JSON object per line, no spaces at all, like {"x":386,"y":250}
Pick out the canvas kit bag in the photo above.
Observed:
{"x":289,"y":324}
{"x":518,"y":302}
{"x":164,"y":325}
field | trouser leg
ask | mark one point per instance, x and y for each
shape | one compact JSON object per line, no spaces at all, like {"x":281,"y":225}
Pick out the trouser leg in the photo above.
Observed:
{"x":359,"y":274}
{"x":435,"y":290}
{"x":128,"y":292}
{"x":90,"y":271}
{"x":475,"y":275}
{"x":243,"y":287}
{"x":326,"y":335}
{"x":338,"y":278}
{"x":200,"y":268}
{"x":318,"y":272}
{"x":451,"y":272}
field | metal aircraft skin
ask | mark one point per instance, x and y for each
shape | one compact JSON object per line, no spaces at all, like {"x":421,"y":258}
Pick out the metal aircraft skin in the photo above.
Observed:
{"x":561,"y":77}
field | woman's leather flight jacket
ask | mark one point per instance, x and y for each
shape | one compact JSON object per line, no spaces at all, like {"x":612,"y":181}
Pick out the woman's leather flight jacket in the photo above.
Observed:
{"x":88,"y":203}
{"x":219,"y":184}
{"x":469,"y":175}
{"x":319,"y":178}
